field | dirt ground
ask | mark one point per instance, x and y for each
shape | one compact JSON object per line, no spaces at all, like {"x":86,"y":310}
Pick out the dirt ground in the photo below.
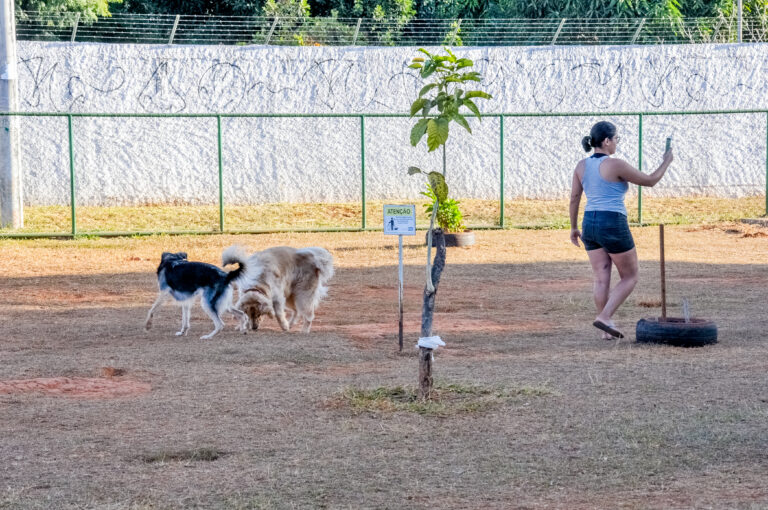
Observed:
{"x":98,"y":413}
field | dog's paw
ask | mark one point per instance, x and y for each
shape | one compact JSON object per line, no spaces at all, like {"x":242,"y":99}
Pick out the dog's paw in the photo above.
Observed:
{"x":147,"y":326}
{"x":180,"y":333}
{"x":207,"y":337}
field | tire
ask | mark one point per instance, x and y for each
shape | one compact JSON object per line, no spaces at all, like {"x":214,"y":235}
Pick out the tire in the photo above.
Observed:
{"x":458,"y":239}
{"x":675,"y":331}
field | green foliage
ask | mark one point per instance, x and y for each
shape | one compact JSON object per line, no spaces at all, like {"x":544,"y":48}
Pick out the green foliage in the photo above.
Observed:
{"x":65,"y":10}
{"x":286,"y":8}
{"x":199,"y":7}
{"x":448,"y":216}
{"x":445,"y":76}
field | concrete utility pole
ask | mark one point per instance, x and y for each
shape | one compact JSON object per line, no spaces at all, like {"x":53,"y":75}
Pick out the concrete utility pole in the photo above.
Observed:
{"x":11,"y":204}
{"x":740,"y":7}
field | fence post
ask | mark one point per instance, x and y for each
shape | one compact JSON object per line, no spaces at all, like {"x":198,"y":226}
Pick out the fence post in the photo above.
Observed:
{"x":640,"y":167}
{"x":173,"y":30}
{"x":74,"y":27}
{"x":557,"y":33}
{"x":740,"y":8}
{"x":501,"y":171}
{"x":362,"y":164}
{"x":456,"y":32}
{"x":221,"y":173}
{"x":357,"y":31}
{"x":72,"y":177}
{"x":271,"y":30}
{"x":637,"y":32}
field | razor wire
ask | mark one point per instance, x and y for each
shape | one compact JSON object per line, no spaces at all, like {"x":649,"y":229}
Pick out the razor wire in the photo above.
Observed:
{"x":334,"y":31}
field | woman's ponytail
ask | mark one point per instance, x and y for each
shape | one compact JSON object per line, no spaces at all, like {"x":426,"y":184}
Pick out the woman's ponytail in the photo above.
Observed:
{"x":586,"y":142}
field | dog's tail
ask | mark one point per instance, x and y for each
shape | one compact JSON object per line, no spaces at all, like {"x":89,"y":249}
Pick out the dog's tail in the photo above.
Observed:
{"x":323,"y":262}
{"x":235,"y":255}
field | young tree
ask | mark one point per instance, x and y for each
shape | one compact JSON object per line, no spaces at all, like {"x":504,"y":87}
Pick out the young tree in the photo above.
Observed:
{"x":445,"y":75}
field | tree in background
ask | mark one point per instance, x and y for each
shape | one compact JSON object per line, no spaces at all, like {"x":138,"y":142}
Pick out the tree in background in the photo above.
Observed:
{"x":88,"y":9}
{"x":199,"y":7}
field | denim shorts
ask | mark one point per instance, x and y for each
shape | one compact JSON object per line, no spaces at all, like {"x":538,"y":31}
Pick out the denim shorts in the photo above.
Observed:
{"x":608,"y":230}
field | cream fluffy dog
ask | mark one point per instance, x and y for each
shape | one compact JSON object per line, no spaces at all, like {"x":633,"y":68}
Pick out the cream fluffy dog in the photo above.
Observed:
{"x":283,"y":278}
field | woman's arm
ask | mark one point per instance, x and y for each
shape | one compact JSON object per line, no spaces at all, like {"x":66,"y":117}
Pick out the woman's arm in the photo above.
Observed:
{"x":630,"y":174}
{"x":576,"y":191}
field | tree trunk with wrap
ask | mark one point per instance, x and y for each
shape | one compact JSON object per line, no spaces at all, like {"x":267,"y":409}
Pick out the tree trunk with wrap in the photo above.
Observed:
{"x":427,"y":312}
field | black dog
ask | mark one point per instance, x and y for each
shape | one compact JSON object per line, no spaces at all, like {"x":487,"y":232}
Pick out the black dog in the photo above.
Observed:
{"x":183,"y":280}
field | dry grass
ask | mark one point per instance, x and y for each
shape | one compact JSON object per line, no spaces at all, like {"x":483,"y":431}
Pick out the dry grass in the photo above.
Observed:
{"x":620,"y":425}
{"x":477,"y":213}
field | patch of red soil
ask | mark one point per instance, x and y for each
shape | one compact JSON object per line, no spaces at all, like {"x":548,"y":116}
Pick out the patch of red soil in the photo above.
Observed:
{"x":445,"y":324}
{"x":76,"y":387}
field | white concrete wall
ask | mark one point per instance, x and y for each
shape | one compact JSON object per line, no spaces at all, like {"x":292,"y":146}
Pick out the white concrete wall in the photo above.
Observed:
{"x":149,"y":160}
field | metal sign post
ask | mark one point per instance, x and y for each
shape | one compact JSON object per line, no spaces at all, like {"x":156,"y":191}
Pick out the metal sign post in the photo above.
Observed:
{"x":400,"y":220}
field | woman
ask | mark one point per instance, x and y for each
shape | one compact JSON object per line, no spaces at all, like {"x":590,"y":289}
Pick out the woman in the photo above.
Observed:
{"x":605,"y":230}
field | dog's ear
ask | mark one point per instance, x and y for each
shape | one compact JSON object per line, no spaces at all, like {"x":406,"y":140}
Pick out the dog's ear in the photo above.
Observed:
{"x":182,"y":255}
{"x":165,"y":256}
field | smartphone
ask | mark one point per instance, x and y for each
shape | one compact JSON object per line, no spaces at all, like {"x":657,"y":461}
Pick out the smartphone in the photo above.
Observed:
{"x":669,"y":144}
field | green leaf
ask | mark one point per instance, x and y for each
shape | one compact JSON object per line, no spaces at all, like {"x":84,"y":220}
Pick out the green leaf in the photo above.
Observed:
{"x":438,"y":185}
{"x":427,"y":88}
{"x":462,"y":121}
{"x":425,"y":52}
{"x":418,"y":59}
{"x":477,"y":93}
{"x":418,"y":105}
{"x":413,"y":170}
{"x":429,"y":68}
{"x":473,"y":107}
{"x":437,"y":133}
{"x":418,"y":130}
{"x":473,"y":76}
{"x":415,"y":66}
{"x":464,"y":62}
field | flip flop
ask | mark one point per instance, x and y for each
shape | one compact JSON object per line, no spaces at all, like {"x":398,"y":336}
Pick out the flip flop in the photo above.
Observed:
{"x":608,"y":329}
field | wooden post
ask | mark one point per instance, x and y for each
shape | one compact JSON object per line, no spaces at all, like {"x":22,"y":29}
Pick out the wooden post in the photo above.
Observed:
{"x":663,"y":274}
{"x":427,"y":311}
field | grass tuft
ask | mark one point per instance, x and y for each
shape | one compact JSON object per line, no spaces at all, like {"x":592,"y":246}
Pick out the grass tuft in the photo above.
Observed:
{"x":447,"y":399}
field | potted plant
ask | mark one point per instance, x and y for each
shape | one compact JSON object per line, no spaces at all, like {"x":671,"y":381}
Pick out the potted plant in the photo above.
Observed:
{"x":450,"y":219}
{"x":441,"y":101}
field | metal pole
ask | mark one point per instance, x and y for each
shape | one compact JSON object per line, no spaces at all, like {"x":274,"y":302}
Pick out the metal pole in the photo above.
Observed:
{"x":72,"y":206}
{"x":456,"y":32}
{"x":766,"y":163}
{"x":221,"y":173}
{"x":640,"y":167}
{"x":173,"y":30}
{"x":362,"y":164}
{"x":271,"y":30}
{"x":400,"y":295}
{"x":663,"y":274}
{"x":74,"y":27}
{"x":741,"y":15}
{"x":637,"y":32}
{"x":557,"y":33}
{"x":501,"y":171}
{"x":357,"y":31}
{"x":11,"y":202}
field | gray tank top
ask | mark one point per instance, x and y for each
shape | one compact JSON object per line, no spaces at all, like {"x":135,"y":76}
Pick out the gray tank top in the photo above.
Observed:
{"x":602,"y":195}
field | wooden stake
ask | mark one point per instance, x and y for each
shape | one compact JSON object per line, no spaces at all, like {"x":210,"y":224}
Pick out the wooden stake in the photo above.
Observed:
{"x":427,"y":311}
{"x":663,"y":275}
